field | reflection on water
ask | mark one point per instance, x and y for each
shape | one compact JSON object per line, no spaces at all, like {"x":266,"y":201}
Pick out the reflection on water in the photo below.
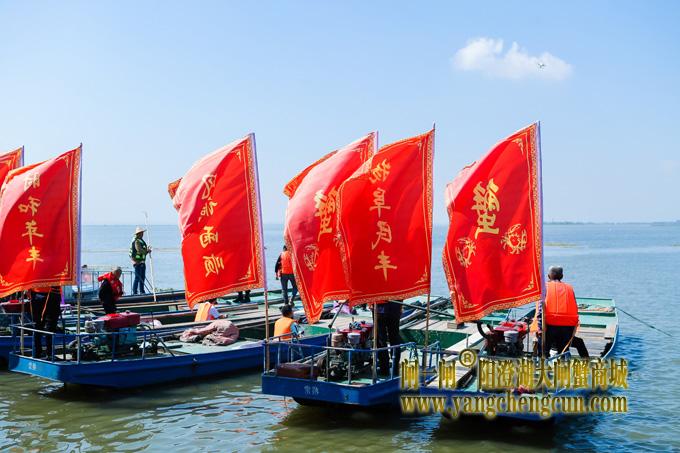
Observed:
{"x":635,"y":264}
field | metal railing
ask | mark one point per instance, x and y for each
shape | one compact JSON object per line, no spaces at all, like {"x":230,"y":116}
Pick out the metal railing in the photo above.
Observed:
{"x":71,"y":342}
{"x":309,"y":354}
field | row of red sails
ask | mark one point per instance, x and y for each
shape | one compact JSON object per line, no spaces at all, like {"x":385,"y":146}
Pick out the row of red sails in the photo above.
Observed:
{"x":358,"y":224}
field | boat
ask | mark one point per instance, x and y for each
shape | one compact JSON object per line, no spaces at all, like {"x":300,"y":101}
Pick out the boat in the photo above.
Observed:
{"x":137,"y":356}
{"x":317,"y":384}
{"x":162,"y":312}
{"x":344,"y":372}
{"x":598,"y":328}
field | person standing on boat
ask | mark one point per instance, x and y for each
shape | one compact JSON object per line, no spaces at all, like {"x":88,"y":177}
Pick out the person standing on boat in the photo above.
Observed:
{"x":388,"y":319}
{"x":285,"y":327}
{"x":138,"y":252}
{"x":45,"y":312}
{"x":284,"y":271}
{"x":561,"y":316}
{"x":110,"y":290}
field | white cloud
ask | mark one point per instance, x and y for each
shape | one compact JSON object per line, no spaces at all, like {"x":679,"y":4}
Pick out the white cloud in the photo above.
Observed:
{"x":486,"y":56}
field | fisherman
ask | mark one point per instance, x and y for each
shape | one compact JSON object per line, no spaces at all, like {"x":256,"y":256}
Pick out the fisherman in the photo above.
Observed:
{"x":240,"y":298}
{"x":110,"y":290}
{"x":561,"y":316}
{"x":45,"y":312}
{"x":388,"y":319}
{"x":284,"y":271}
{"x":285,"y":327}
{"x":138,"y":252}
{"x":207,"y":311}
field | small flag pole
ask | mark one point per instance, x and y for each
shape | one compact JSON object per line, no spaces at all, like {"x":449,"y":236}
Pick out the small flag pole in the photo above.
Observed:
{"x":153,"y":282}
{"x":263,"y":264}
{"x":79,"y":273}
{"x":429,"y":290}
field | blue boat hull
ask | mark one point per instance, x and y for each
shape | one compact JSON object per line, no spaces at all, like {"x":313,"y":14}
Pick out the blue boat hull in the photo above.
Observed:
{"x":383,"y":393}
{"x":7,"y":345}
{"x":148,"y":371}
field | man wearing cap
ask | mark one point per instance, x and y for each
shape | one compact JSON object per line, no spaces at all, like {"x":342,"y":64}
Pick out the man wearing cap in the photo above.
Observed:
{"x":138,"y":252}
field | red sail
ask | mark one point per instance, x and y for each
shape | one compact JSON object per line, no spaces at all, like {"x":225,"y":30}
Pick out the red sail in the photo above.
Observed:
{"x":493,"y":256}
{"x":385,"y":222}
{"x":219,"y":219}
{"x":10,"y":161}
{"x":40,"y":224}
{"x":310,"y":229}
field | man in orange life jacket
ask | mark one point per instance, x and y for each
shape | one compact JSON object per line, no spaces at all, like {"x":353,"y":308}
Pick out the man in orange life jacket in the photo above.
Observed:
{"x":45,"y":312}
{"x":285,"y":327}
{"x":207,"y":311}
{"x":561,"y":315}
{"x":284,"y":271}
{"x":110,"y":290}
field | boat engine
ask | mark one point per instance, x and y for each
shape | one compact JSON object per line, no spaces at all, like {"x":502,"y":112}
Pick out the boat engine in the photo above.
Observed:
{"x":506,"y":339}
{"x":358,"y":335}
{"x":102,"y":345}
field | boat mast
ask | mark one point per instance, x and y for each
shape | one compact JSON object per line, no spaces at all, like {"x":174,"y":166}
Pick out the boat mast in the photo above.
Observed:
{"x":148,"y":235}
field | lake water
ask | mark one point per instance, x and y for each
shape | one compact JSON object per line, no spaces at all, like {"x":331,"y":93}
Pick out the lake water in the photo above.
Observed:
{"x":638,"y":265}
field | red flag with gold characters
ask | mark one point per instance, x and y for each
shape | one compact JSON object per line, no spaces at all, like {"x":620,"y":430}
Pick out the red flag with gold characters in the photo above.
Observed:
{"x":310,"y":230}
{"x":40,"y":224}
{"x":493,"y":256}
{"x":10,"y":161}
{"x":219,"y":219}
{"x":385,"y":222}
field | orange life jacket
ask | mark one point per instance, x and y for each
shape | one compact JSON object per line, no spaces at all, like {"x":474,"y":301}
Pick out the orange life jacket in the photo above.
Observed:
{"x":282,"y":328}
{"x":560,"y":305}
{"x":203,"y":313}
{"x":286,"y":263}
{"x":534,"y":327}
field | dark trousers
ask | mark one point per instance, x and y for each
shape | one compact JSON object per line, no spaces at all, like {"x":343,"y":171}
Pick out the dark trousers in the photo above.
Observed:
{"x":388,"y":331}
{"x":240,"y":297}
{"x":285,"y":279}
{"x":558,"y":337}
{"x":109,"y":307}
{"x":45,"y":313}
{"x":140,"y":278}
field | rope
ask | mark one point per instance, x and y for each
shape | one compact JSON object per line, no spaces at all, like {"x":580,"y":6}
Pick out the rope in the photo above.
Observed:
{"x":643,"y":322}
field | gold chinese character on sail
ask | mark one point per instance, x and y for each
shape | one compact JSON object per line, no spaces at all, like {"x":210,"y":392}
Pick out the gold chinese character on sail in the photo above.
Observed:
{"x":208,"y":185}
{"x":380,"y":172}
{"x":208,"y":237}
{"x":384,"y":264}
{"x":213,"y":264}
{"x":326,"y":206}
{"x":34,"y":256}
{"x":31,"y":230}
{"x":32,"y":180}
{"x":486,"y":202}
{"x":384,"y":233}
{"x":32,"y":205}
{"x":208,"y":209}
{"x":379,"y":201}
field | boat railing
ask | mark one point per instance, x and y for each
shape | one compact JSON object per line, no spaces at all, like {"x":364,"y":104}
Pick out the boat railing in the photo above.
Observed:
{"x":89,"y":279}
{"x":279,"y":352}
{"x":76,"y":342}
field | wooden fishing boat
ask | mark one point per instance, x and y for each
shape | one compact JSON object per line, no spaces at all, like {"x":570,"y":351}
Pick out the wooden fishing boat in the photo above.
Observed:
{"x":598,"y":328}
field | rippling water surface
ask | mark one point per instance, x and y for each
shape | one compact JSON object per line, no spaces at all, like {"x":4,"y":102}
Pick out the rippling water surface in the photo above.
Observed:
{"x":638,"y":265}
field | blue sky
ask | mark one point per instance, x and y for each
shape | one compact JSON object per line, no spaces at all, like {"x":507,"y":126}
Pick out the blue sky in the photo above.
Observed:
{"x":151,"y":87}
